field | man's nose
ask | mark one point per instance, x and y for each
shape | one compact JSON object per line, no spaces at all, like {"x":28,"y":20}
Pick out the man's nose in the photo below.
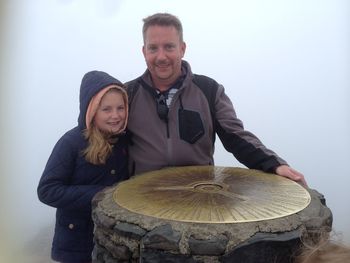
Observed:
{"x":161,"y":54}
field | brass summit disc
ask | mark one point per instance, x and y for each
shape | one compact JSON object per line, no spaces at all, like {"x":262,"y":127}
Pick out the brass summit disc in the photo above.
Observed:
{"x":211,"y":194}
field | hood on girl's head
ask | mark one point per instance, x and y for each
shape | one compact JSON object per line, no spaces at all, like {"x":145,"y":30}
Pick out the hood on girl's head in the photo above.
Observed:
{"x":95,"y":104}
{"x":91,"y":84}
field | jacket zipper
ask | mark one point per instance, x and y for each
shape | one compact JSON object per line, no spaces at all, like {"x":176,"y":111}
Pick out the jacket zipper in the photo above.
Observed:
{"x":167,"y":129}
{"x":169,"y":142}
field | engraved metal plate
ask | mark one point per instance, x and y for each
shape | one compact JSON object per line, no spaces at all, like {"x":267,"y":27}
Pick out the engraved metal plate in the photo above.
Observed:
{"x":211,"y":194}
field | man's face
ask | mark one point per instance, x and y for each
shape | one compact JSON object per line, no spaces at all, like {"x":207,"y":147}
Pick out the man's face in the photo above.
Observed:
{"x":163,"y":52}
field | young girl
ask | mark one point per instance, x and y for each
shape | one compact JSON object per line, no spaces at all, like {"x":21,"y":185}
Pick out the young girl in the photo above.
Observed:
{"x":85,"y":160}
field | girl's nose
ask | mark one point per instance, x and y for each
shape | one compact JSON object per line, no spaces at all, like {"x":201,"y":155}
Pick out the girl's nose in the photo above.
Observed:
{"x":115,"y":114}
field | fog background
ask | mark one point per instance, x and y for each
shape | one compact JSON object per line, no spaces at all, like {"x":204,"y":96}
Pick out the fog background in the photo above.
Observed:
{"x":284,"y":64}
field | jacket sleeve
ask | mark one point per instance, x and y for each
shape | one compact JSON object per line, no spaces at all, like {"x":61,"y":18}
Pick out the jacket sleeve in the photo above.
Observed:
{"x":55,"y":187}
{"x":244,"y":145}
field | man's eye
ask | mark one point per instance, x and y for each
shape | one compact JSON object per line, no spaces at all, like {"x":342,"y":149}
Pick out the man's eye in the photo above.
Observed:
{"x":170,"y":47}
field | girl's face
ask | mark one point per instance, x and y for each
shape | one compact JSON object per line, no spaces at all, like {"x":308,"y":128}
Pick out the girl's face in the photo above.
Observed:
{"x":111,"y":113}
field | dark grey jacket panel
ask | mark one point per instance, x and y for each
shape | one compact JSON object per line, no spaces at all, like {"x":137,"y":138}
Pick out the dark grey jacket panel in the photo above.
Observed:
{"x":157,"y":144}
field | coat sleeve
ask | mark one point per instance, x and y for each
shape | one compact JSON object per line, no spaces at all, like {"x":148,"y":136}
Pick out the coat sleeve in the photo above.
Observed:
{"x":55,"y":186}
{"x":244,"y":145}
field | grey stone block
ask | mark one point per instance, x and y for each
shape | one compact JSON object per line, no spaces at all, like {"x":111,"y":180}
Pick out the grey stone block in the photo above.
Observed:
{"x":157,"y":256}
{"x":130,"y":230}
{"x":212,"y":246}
{"x":162,"y":238}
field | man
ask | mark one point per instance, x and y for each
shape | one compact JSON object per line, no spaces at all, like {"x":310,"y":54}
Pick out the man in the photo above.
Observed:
{"x":171,"y":121}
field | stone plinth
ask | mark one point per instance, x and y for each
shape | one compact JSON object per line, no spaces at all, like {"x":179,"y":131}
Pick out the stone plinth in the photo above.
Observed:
{"x":125,"y":236}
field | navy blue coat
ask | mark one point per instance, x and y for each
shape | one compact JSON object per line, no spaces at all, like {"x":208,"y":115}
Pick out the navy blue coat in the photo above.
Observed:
{"x":69,"y":182}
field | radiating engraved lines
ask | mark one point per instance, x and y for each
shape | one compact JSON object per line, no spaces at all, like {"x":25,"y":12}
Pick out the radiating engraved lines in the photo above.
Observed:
{"x":212,"y":195}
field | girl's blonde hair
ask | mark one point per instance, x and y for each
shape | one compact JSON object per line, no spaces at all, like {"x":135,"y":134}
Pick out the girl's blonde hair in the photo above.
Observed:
{"x":99,"y":147}
{"x":324,"y":251}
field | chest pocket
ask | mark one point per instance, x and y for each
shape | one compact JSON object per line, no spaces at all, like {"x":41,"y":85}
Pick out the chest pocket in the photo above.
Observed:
{"x":191,"y":127}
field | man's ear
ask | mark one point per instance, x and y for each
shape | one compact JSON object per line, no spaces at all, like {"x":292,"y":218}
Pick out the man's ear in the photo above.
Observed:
{"x":183,"y":48}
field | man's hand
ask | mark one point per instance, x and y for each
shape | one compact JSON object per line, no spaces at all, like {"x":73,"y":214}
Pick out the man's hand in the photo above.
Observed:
{"x":286,"y":171}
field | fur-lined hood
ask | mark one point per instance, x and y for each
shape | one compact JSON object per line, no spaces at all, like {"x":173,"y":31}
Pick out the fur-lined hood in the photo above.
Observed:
{"x":92,"y":83}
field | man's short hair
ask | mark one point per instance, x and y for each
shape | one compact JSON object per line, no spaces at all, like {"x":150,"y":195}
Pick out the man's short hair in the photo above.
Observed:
{"x":162,"y":19}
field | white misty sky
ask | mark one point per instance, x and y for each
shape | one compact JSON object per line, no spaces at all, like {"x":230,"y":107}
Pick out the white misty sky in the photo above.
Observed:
{"x":284,"y":64}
